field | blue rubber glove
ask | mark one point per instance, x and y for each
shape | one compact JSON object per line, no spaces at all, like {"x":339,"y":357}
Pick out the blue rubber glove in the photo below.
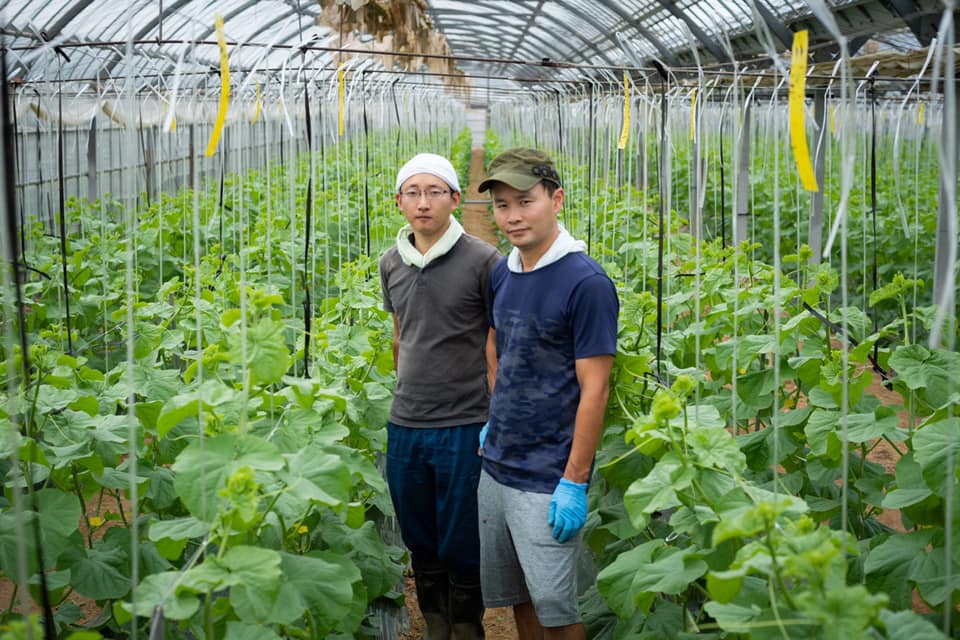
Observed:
{"x":483,"y":434}
{"x":568,"y":509}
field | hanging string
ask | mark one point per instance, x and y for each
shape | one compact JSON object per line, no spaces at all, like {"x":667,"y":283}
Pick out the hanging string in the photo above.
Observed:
{"x":591,"y":149}
{"x":723,"y":191}
{"x":873,"y":205}
{"x":18,"y":167}
{"x":366,"y":167}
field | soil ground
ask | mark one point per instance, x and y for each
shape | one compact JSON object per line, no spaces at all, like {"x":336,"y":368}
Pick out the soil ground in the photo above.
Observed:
{"x":477,"y":219}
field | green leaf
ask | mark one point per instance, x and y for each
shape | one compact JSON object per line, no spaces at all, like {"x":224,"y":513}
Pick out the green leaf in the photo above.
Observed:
{"x":907,"y":624}
{"x":821,"y":433}
{"x":715,"y":447}
{"x":733,"y":618}
{"x":12,"y":543}
{"x":209,"y":396}
{"x":158,"y":590}
{"x":229,"y":317}
{"x":934,"y":372}
{"x":321,"y":582}
{"x":671,"y":573}
{"x":51,"y":399}
{"x":87,"y":404}
{"x":241,"y":631}
{"x":748,"y":521}
{"x":97,"y":573}
{"x":315,"y":477}
{"x":615,"y":581}
{"x":203,"y":467}
{"x":267,"y":356}
{"x":148,"y":413}
{"x":162,"y":383}
{"x":658,"y":490}
{"x":723,"y":589}
{"x":864,"y":427}
{"x":84,"y":635}
{"x":897,"y":551}
{"x":932,"y":444}
{"x":59,"y":512}
{"x":147,"y":339}
{"x":178,"y":529}
{"x":911,"y":487}
{"x":756,"y":388}
{"x":255,"y":574}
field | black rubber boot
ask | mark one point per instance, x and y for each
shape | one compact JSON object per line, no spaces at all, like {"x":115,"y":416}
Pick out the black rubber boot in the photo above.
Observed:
{"x":466,"y":606}
{"x":433,"y":594}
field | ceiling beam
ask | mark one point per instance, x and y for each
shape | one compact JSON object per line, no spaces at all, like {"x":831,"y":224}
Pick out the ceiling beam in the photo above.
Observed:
{"x":173,"y":7}
{"x":666,"y":55}
{"x":783,"y":33}
{"x":526,"y":28}
{"x":545,"y":52}
{"x":910,"y":12}
{"x":698,"y":33}
{"x":65,"y":19}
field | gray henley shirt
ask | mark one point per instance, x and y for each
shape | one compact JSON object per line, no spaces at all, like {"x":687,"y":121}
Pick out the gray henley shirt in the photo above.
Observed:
{"x":443,"y":312}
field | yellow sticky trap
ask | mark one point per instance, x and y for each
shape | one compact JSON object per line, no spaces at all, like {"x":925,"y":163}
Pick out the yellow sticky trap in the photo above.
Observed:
{"x":920,"y":113}
{"x":693,"y":112}
{"x":625,"y":131}
{"x":224,"y":90}
{"x":256,"y":114}
{"x":833,"y":122}
{"x":798,"y":135}
{"x":341,"y":92}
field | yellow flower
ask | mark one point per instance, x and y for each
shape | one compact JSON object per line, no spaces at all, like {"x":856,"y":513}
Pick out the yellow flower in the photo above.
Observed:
{"x":302,"y":529}
{"x":96,"y":521}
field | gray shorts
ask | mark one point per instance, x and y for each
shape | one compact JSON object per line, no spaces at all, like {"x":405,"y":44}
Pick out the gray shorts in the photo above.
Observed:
{"x":519,"y":559}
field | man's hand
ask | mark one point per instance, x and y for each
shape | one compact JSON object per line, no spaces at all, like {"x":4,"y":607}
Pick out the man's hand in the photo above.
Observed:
{"x":483,"y":437}
{"x":568,"y":509}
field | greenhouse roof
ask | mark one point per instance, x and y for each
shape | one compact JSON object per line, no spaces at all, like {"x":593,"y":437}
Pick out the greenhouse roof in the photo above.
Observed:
{"x":488,"y":40}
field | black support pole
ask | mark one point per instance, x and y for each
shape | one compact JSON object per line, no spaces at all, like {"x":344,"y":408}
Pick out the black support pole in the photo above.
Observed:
{"x":308,"y":225}
{"x":63,"y":220}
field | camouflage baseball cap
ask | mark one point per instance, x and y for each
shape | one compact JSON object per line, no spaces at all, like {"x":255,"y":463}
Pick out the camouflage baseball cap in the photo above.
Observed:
{"x":521,"y":169}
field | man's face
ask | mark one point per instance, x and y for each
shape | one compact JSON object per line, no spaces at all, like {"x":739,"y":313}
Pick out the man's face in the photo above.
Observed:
{"x":427,"y":203}
{"x":528,"y":219}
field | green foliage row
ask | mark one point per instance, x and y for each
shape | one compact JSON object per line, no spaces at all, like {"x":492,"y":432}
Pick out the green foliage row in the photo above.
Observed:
{"x":737,"y":497}
{"x":199,"y":429}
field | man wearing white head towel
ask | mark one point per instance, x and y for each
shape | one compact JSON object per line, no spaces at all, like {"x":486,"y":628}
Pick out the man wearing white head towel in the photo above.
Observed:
{"x":435,"y":283}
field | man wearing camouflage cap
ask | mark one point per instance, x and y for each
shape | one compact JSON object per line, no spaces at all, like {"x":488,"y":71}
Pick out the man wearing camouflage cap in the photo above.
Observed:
{"x":554,"y":322}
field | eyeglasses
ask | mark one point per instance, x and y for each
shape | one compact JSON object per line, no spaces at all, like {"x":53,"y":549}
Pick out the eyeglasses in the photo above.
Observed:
{"x":413,"y":195}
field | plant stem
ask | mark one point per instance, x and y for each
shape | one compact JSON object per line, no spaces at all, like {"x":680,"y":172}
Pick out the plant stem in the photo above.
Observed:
{"x":906,"y":320}
{"x":83,"y":505}
{"x":623,"y":407}
{"x":208,"y":614}
{"x":13,"y":600}
{"x":775,"y":567}
{"x":119,"y":498}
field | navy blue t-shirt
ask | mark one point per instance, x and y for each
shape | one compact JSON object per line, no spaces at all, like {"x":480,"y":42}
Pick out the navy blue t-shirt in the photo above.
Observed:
{"x":545,"y":320}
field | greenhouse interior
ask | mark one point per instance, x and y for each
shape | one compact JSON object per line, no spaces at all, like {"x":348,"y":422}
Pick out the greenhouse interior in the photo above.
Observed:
{"x":197,"y":425}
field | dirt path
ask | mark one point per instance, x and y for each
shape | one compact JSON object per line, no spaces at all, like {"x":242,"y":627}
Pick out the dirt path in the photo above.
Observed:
{"x":476,"y":217}
{"x":498,"y":624}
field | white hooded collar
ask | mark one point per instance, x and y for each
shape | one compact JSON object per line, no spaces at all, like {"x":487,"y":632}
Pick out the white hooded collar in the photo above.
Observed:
{"x":412,"y":257}
{"x":564,"y":244}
